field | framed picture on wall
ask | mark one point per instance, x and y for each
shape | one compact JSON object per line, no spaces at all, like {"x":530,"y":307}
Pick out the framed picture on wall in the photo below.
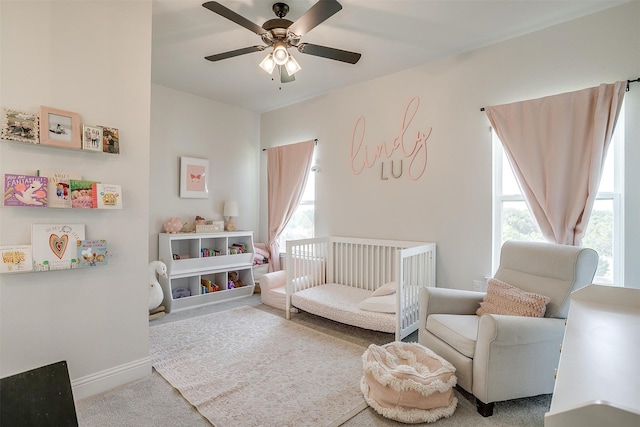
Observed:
{"x":110,"y":140}
{"x":194,"y":174}
{"x":92,"y":138}
{"x":60,"y":128}
{"x":20,"y":126}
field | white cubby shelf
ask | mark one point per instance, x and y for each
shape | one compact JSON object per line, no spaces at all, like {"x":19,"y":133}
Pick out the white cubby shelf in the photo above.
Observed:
{"x":192,"y":257}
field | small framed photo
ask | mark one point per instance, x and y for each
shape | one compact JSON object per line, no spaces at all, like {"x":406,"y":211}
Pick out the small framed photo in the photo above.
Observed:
{"x":194,"y":174}
{"x":60,"y":128}
{"x":92,"y":138}
{"x":20,"y":126}
{"x":110,"y":140}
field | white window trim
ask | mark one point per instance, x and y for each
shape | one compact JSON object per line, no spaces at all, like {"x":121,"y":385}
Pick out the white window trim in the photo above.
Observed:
{"x":498,"y":198}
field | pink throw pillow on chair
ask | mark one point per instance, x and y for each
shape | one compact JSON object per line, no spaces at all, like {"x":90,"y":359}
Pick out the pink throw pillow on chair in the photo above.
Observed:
{"x":502,"y":298}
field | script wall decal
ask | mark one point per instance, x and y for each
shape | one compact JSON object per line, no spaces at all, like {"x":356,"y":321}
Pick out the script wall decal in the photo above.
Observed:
{"x":410,"y":144}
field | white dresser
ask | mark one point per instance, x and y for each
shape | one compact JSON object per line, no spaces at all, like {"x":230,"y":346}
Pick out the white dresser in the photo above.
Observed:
{"x":598,"y":382}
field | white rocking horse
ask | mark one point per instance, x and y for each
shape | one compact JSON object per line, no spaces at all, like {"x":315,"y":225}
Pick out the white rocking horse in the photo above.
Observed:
{"x":155,"y":290}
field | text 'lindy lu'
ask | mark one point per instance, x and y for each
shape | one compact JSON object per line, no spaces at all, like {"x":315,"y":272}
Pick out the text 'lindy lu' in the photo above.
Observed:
{"x":417,"y":153}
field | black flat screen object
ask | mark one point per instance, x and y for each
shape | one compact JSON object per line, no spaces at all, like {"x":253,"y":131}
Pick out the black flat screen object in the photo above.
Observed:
{"x":41,"y":397}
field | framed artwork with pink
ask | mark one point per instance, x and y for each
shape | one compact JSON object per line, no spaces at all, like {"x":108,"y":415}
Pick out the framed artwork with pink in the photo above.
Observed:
{"x":194,"y":174}
{"x":60,"y":128}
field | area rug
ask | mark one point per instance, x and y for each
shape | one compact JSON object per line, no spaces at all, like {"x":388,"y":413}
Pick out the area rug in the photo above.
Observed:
{"x":245,"y":367}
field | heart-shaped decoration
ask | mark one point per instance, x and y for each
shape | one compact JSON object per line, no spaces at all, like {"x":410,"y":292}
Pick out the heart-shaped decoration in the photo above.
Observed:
{"x":58,"y":244}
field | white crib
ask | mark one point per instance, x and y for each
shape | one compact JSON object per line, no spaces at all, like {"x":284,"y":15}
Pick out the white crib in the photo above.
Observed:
{"x":330,"y":276}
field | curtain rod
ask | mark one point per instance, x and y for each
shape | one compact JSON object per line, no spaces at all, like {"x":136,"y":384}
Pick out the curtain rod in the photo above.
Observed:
{"x":627,"y":90}
{"x":315,"y":141}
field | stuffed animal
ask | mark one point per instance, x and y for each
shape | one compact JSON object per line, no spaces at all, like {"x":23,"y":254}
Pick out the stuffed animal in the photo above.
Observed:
{"x":155,"y":290}
{"x":233,"y":277}
{"x":173,"y":225}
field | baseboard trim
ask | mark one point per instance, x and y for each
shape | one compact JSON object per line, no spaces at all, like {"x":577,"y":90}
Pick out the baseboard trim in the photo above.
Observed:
{"x":110,"y":378}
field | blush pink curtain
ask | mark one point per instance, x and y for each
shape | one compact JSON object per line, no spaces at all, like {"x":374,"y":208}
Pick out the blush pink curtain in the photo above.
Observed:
{"x":557,"y":147}
{"x":287,"y":172}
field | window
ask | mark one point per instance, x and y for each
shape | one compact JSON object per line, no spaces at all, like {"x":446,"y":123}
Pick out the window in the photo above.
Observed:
{"x":301,"y":224}
{"x":512,"y":219}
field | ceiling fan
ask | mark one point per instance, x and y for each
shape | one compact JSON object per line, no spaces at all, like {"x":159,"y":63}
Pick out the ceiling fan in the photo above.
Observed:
{"x":281,"y":34}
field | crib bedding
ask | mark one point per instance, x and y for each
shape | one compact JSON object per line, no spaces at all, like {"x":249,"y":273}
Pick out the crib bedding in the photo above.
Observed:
{"x":340,"y":303}
{"x":334,"y":277}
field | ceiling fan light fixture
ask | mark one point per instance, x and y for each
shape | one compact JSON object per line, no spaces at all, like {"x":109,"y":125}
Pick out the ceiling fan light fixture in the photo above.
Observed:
{"x":292,"y":66}
{"x":280,"y":34}
{"x":268,"y":64}
{"x":280,"y":53}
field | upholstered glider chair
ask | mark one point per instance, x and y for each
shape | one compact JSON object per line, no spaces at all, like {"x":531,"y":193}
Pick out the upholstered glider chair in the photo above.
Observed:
{"x":508,"y":356}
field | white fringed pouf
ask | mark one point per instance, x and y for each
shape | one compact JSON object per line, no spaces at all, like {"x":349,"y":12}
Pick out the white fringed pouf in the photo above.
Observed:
{"x":407,"y":382}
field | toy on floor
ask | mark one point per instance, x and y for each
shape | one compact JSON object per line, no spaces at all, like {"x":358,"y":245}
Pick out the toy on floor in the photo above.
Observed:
{"x":156,"y":312}
{"x":155,"y":290}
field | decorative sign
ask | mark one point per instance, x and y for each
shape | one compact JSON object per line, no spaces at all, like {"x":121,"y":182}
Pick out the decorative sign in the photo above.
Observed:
{"x":410,"y":148}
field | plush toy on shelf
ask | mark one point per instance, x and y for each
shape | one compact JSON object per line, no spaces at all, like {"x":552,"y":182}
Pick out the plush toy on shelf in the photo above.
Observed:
{"x":173,"y":225}
{"x":233,"y":278}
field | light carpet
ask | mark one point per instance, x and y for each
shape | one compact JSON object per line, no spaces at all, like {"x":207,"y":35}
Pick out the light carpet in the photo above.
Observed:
{"x":245,"y":367}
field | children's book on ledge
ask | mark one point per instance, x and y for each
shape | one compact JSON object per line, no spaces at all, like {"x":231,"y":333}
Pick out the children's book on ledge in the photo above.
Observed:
{"x":15,"y":258}
{"x":55,"y":246}
{"x":25,"y":190}
{"x":107,"y":196}
{"x":92,"y":253}
{"x":81,"y":193}
{"x":59,"y":193}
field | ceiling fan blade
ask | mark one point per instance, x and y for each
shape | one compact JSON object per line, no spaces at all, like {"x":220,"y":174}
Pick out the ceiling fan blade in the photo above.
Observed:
{"x":232,"y":53}
{"x":221,"y":10}
{"x":329,"y":52}
{"x":284,"y":76}
{"x":319,"y":12}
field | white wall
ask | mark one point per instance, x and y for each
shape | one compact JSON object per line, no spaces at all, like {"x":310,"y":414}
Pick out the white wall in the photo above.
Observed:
{"x":186,"y":125}
{"x":451,"y":203}
{"x":92,"y":58}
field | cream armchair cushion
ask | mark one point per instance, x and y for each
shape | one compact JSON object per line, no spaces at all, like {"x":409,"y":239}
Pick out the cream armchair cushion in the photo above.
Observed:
{"x":502,"y":357}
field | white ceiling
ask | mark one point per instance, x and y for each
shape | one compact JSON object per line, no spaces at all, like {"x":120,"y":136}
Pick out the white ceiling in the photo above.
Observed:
{"x":392,"y":35}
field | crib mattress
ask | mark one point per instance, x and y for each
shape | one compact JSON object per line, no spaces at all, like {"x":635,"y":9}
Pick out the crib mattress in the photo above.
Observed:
{"x":340,"y":303}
